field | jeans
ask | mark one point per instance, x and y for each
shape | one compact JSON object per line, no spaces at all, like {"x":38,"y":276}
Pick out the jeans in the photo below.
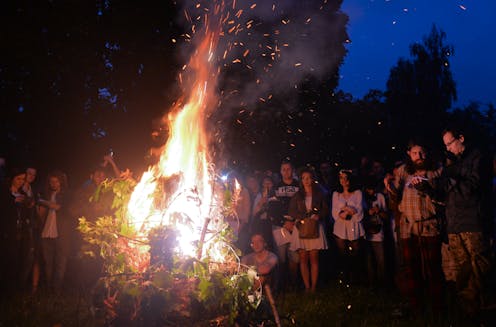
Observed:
{"x":55,"y":253}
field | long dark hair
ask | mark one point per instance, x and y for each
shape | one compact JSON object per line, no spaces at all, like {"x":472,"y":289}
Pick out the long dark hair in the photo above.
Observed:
{"x":353,"y":181}
{"x":310,"y":171}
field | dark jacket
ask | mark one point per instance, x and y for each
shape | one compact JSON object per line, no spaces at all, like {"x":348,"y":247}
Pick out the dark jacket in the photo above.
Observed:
{"x":66,"y":222}
{"x":298,"y":210}
{"x":465,"y":186}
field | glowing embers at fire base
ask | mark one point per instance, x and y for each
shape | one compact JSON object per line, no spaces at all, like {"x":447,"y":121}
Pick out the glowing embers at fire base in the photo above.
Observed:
{"x":179,"y":192}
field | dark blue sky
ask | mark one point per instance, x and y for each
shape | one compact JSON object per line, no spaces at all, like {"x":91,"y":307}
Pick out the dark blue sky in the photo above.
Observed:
{"x":382,"y":30}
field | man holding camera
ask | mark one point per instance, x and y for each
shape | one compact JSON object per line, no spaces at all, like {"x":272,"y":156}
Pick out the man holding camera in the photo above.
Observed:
{"x":466,"y":181}
{"x":419,"y":231}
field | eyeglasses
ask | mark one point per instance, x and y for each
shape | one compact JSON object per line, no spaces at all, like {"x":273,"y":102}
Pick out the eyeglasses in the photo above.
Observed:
{"x":450,"y":142}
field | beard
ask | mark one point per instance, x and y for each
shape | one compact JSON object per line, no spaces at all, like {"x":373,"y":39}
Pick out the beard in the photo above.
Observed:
{"x":419,"y":164}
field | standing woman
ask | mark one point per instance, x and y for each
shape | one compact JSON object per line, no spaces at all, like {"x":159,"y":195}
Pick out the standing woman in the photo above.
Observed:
{"x":309,"y":207}
{"x":57,"y":229}
{"x":347,"y":211}
{"x":16,"y":234}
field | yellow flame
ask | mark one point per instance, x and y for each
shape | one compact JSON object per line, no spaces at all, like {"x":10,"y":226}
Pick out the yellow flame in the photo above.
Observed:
{"x":179,"y":190}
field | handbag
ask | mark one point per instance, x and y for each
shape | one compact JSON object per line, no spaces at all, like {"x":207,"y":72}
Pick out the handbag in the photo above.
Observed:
{"x":307,"y":227}
{"x":372,"y":224}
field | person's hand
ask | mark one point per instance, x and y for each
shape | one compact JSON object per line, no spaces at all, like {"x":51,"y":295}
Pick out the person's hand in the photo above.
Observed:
{"x":53,"y":205}
{"x":108,"y":159}
{"x":20,"y":198}
{"x":289,"y":225}
{"x":417,"y":180}
{"x":345,"y":213}
{"x":374,"y":210}
{"x":388,"y":180}
{"x":351,"y":211}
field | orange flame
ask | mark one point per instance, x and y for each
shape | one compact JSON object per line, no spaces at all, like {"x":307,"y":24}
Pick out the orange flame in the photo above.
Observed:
{"x":179,"y":190}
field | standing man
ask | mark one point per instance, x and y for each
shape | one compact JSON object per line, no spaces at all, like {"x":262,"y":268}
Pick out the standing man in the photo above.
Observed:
{"x":284,"y":191}
{"x":285,"y":235}
{"x":466,"y":180}
{"x":419,"y":230}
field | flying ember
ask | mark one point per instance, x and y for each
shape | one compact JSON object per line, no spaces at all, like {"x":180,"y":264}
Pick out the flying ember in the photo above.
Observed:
{"x":179,"y":192}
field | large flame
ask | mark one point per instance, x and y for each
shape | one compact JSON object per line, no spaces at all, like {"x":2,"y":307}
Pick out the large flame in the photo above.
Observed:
{"x":179,"y":190}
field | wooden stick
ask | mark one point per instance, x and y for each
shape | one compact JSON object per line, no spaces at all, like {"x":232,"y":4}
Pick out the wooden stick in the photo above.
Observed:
{"x":268,"y":292}
{"x":202,"y":238}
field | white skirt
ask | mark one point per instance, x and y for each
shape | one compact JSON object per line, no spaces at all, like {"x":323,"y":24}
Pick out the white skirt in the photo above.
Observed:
{"x":319,"y":243}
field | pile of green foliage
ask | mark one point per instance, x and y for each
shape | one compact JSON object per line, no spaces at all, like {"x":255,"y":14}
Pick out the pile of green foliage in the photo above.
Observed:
{"x":145,"y":283}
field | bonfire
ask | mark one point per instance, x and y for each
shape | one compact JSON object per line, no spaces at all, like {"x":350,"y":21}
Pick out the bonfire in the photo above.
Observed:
{"x":167,"y":250}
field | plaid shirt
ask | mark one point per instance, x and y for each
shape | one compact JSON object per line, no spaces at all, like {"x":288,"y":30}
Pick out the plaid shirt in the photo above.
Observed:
{"x":417,"y":210}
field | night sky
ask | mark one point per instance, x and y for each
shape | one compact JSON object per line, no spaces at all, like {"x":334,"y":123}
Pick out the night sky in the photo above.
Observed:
{"x":382,"y":30}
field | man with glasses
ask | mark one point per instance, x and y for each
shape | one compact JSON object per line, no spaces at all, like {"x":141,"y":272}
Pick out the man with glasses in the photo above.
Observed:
{"x":466,"y":181}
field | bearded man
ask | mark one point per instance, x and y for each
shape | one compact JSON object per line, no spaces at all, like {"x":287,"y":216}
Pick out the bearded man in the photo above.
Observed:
{"x":419,"y":231}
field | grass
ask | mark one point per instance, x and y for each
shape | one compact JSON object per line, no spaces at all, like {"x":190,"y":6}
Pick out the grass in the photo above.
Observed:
{"x":333,"y":304}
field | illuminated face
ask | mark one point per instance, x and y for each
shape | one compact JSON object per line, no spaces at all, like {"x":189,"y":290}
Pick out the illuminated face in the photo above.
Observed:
{"x":54,"y":183}
{"x":344,"y":180}
{"x":257,"y":243}
{"x":306,"y":179}
{"x":286,"y":171}
{"x":267,"y":184}
{"x":98,"y":177}
{"x":417,"y":154}
{"x":18,"y":181}
{"x":252,"y":184}
{"x":454,"y":144}
{"x":30,"y":175}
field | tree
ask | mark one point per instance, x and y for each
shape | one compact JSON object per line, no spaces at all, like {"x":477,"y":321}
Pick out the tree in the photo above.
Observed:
{"x":78,"y":78}
{"x":421,"y":90}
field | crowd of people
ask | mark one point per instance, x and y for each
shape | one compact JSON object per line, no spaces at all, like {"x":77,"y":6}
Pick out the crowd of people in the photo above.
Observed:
{"x":424,"y":227}
{"x":39,"y":227}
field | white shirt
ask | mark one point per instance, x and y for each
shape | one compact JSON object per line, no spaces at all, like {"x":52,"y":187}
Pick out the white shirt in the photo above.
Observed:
{"x":50,"y":228}
{"x":348,"y":229}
